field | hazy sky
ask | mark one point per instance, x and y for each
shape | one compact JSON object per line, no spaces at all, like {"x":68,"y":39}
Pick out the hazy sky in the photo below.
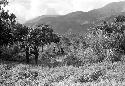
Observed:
{"x":28,"y":9}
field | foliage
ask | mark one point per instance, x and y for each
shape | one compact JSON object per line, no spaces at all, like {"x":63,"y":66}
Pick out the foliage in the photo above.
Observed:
{"x":26,"y":38}
{"x":96,"y":74}
{"x":20,"y":32}
{"x":6,"y":29}
{"x":72,"y":60}
{"x":40,"y":36}
{"x":83,"y":60}
{"x":6,"y":24}
{"x":12,"y":53}
{"x":108,"y":36}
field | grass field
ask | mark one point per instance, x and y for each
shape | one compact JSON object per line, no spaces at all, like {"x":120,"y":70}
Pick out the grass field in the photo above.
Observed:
{"x":98,"y":74}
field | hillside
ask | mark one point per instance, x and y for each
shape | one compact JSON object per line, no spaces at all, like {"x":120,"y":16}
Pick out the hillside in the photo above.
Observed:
{"x":79,"y":21}
{"x":40,"y":57}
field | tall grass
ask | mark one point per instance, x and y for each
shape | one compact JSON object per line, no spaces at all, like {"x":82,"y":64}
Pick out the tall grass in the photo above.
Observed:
{"x":98,"y":74}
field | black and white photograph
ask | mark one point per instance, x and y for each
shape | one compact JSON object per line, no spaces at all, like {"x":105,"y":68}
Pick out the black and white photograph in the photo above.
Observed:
{"x":62,"y":42}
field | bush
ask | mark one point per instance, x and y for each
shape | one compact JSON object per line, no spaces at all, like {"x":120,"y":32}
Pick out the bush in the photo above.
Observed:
{"x":72,"y":60}
{"x":11,"y":53}
{"x":6,"y":52}
{"x":91,"y":77}
{"x":115,"y":58}
{"x":89,"y":56}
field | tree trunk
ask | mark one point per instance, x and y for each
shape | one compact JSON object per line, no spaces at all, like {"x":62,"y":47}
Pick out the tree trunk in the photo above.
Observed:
{"x":108,"y":54}
{"x":36,"y":54}
{"x":27,"y":54}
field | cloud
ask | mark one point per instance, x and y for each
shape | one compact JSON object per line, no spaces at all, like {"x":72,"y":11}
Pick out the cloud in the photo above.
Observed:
{"x":28,"y":9}
{"x":86,"y":5}
{"x":19,"y":8}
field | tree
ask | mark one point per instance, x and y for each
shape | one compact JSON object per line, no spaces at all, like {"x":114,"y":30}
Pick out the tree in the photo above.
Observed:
{"x":12,"y":33}
{"x":6,"y":30}
{"x":21,"y":37}
{"x":20,"y":32}
{"x":6,"y":20}
{"x":3,"y":2}
{"x":110,"y":36}
{"x":41,"y":35}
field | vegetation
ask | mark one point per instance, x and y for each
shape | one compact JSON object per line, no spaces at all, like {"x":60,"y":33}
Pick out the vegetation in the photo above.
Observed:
{"x":25,"y":38}
{"x":66,"y":60}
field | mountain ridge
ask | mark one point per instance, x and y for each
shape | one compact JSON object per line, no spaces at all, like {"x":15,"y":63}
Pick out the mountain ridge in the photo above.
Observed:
{"x":79,"y":21}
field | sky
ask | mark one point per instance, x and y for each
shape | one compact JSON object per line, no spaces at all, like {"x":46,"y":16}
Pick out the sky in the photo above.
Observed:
{"x":29,"y":9}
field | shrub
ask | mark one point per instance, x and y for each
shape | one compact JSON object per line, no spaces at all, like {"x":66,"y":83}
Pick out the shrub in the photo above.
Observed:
{"x":11,"y":53}
{"x":72,"y":60}
{"x":91,"y":77}
{"x":89,"y":56}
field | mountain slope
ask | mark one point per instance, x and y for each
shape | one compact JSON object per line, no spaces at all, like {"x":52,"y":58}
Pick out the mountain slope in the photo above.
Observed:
{"x":79,"y":21}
